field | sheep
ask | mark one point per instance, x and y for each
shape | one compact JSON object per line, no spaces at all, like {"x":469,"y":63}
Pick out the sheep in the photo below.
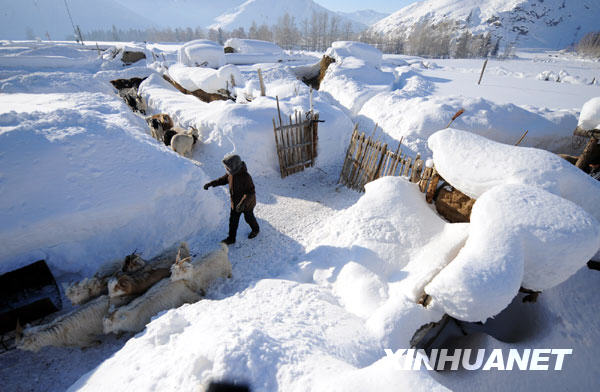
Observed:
{"x":137,"y":282}
{"x":188,"y":283}
{"x":81,"y":292}
{"x":200,"y":273}
{"x":79,"y":328}
{"x":89,"y":288}
{"x":159,"y":124}
{"x":134,"y":316}
{"x":183,"y":142}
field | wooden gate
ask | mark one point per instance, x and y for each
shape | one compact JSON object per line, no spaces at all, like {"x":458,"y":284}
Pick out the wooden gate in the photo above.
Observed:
{"x":296,"y":141}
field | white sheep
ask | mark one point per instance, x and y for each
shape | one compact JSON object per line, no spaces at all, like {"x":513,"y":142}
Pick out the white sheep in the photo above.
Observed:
{"x":200,"y":273}
{"x":183,"y":142}
{"x":134,"y":316}
{"x":79,"y":328}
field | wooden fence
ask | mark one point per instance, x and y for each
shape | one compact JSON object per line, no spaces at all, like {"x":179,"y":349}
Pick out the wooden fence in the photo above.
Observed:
{"x":367,"y":159}
{"x":296,"y":141}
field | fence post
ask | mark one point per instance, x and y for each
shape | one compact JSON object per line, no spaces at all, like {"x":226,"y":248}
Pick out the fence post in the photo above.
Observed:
{"x":262,"y":83}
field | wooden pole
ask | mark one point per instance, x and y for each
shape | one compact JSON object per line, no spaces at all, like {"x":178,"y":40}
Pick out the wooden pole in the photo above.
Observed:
{"x":278,"y":111}
{"x":262,"y":83}
{"x":482,"y":71}
{"x":374,"y":130}
{"x":522,"y":137}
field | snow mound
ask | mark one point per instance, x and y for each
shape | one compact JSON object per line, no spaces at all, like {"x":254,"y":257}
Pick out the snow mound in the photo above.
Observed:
{"x":251,"y":337}
{"x":355,"y":77}
{"x":252,"y":51}
{"x":340,"y":50}
{"x":474,"y":164}
{"x":208,"y":79}
{"x":201,"y":52}
{"x":519,"y":236}
{"x":254,"y":46}
{"x":590,"y":115}
{"x":83,"y":183}
{"x":41,"y":55}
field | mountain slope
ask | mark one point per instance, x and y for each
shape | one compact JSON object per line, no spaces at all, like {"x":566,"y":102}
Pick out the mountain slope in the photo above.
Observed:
{"x":269,"y":11}
{"x":367,"y":17}
{"x":550,"y":24}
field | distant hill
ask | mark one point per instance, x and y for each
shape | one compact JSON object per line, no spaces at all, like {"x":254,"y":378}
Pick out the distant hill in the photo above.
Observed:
{"x":269,"y":11}
{"x":551,"y":24}
{"x":366,"y":17}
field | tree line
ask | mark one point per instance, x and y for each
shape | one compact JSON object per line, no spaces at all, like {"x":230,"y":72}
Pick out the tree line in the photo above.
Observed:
{"x":441,"y":40}
{"x":589,"y":45}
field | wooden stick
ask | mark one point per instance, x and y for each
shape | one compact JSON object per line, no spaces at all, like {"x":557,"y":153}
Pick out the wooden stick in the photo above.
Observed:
{"x":522,"y":137}
{"x":374,"y":130}
{"x":262,"y":83}
{"x":482,"y":71}
{"x":279,"y":111}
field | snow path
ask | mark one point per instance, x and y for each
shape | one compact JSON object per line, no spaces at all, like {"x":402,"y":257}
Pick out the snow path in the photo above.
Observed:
{"x":287,"y":211}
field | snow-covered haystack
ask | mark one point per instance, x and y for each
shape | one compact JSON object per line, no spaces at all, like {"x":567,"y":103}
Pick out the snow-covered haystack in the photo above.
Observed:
{"x":207,"y":79}
{"x":201,"y":52}
{"x":519,"y":236}
{"x":83,"y":183}
{"x":252,"y":51}
{"x":341,"y":50}
{"x":589,"y":118}
{"x":355,"y":76}
{"x":474,"y":164}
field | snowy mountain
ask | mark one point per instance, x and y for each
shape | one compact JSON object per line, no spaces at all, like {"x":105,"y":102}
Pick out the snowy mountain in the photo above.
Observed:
{"x":269,"y":11}
{"x":527,"y":23}
{"x":367,"y":17}
{"x":29,"y":19}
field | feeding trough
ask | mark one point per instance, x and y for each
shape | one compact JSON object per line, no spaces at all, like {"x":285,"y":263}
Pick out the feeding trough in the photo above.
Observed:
{"x":27,"y":294}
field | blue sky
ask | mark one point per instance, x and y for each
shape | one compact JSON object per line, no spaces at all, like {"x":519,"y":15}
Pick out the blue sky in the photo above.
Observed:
{"x":387,"y":6}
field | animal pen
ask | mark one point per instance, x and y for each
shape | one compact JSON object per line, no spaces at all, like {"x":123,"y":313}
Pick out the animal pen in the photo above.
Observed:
{"x":367,"y":160}
{"x":296,"y":141}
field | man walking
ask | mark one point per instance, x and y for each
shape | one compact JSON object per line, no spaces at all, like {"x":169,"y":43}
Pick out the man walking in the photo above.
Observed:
{"x":243,"y":196}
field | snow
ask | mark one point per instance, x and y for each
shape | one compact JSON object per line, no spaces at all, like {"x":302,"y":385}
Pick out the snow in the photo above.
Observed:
{"x":207,"y":79}
{"x":519,"y":236}
{"x":365,"y":52}
{"x":253,"y":46}
{"x":85,"y":181}
{"x":334,"y":277}
{"x":201,"y":52}
{"x":247,"y":129}
{"x":252,"y":51}
{"x":590,"y":115}
{"x":474,"y":165}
